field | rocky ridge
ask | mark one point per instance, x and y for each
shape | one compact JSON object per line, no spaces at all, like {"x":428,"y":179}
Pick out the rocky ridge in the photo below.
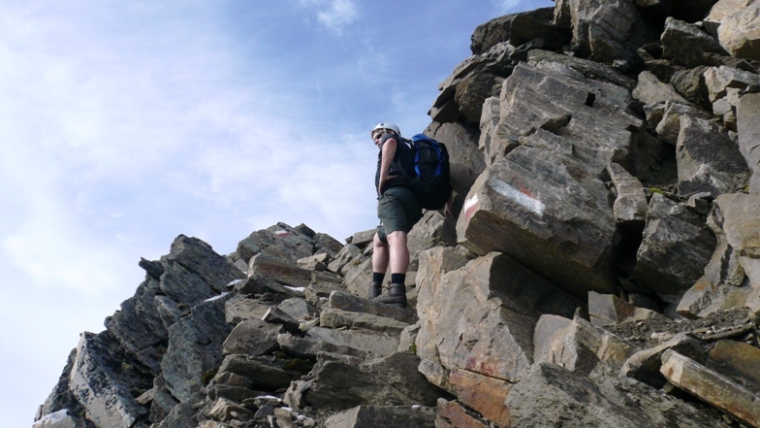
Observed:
{"x":603,"y":268}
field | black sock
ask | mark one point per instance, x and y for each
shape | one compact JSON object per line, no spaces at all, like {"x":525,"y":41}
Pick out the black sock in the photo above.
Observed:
{"x":378,"y":277}
{"x":398,"y":278}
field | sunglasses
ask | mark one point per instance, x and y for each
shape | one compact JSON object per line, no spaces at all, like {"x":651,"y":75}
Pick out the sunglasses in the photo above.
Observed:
{"x":378,"y":135}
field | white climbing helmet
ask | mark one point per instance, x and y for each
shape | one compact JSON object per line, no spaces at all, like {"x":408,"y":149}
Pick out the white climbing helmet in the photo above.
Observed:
{"x":386,"y":125}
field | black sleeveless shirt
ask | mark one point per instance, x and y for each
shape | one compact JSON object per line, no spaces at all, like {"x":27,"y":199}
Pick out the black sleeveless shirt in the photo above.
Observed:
{"x":403,"y":157}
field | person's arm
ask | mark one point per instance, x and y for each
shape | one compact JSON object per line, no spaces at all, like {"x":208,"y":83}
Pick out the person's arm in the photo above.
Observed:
{"x":388,"y":153}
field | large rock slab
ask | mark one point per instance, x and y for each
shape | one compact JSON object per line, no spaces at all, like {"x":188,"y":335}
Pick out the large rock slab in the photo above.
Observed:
{"x":262,"y":373}
{"x":749,"y":136}
{"x":687,"y":45}
{"x":711,"y":387}
{"x":738,"y":361}
{"x":554,"y":396}
{"x":630,"y":205}
{"x":103,"y":382}
{"x":676,"y":247}
{"x":393,"y":380}
{"x":561,"y":100}
{"x":732,"y":277}
{"x":365,"y":344}
{"x":195,"y":348}
{"x":336,"y":318}
{"x":645,"y":365}
{"x":138,"y":325}
{"x":577,"y":345}
{"x":708,"y":159}
{"x":651,"y":90}
{"x":502,"y":299}
{"x":279,"y":241}
{"x":193,"y":272}
{"x":603,"y":31}
{"x":740,"y":33}
{"x":382,"y":417}
{"x":480,"y":353}
{"x":450,"y":414}
{"x":252,"y":337}
{"x":545,"y":211}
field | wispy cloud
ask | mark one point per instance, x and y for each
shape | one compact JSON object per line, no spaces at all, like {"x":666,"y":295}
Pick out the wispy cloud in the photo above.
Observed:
{"x":335,"y":15}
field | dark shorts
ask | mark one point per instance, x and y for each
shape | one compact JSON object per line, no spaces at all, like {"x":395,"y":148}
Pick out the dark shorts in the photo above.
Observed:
{"x":397,"y":209}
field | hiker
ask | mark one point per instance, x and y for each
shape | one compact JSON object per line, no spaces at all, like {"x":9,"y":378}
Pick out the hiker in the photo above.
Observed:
{"x":398,"y":210}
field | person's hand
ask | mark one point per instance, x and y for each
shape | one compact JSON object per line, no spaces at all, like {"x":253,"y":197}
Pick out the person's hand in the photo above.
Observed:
{"x":447,"y":210}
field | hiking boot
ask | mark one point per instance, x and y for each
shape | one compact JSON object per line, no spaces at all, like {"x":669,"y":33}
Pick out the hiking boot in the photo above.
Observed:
{"x":375,"y":288}
{"x":396,"y":296}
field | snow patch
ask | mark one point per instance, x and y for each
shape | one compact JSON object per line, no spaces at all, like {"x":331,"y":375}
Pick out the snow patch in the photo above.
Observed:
{"x":217,"y":297}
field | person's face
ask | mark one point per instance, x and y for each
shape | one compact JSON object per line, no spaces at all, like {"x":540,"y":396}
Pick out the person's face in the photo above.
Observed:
{"x":377,"y":136}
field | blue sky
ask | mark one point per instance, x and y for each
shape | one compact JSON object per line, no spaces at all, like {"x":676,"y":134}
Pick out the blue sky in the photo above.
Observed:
{"x":124,"y":124}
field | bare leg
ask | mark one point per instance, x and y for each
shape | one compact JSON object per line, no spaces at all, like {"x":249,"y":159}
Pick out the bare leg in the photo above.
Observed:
{"x":399,"y":253}
{"x":380,"y":255}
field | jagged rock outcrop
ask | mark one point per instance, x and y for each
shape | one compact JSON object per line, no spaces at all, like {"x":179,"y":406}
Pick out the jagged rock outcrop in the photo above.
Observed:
{"x":602,"y":267}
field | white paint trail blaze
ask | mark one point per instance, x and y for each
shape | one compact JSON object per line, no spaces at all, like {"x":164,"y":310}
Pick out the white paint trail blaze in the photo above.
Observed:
{"x":529,"y":203}
{"x":470,"y":206}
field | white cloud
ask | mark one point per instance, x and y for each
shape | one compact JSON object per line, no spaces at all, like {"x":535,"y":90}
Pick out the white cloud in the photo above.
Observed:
{"x":336,"y":15}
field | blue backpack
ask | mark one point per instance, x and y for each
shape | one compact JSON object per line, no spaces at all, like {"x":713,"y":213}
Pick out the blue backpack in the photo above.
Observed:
{"x":430,"y":180}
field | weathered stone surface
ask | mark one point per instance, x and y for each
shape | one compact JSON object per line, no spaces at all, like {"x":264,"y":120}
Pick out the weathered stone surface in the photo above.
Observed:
{"x":317,"y":262}
{"x":602,"y":31}
{"x":711,"y":387}
{"x":645,"y":365}
{"x":326,"y":244}
{"x":364,"y":344}
{"x":382,"y":417}
{"x":345,"y":256}
{"x":719,"y":79}
{"x":252,"y":337}
{"x":669,"y":126}
{"x":740,"y":32}
{"x":450,"y":414}
{"x":577,"y":345}
{"x":630,"y":205}
{"x":499,"y":302}
{"x":651,"y":90}
{"x":722,"y":10}
{"x":553,"y":396}
{"x":336,"y":318}
{"x":286,"y":273}
{"x":59,"y":419}
{"x":484,"y":394}
{"x":138,"y":326}
{"x":279,"y":241}
{"x":195,"y":347}
{"x":749,"y":136}
{"x":675,"y":248}
{"x":561,"y":226}
{"x":261,"y":373}
{"x":590,"y":69}
{"x":690,"y":83}
{"x":225,"y":410}
{"x":239,"y":308}
{"x":732,"y":277}
{"x":606,"y":309}
{"x":687,"y":45}
{"x":198,"y":259}
{"x":736,"y":360}
{"x":346,"y":302}
{"x":181,"y":416}
{"x":708,"y":159}
{"x":341,"y":386}
{"x":102,"y":381}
